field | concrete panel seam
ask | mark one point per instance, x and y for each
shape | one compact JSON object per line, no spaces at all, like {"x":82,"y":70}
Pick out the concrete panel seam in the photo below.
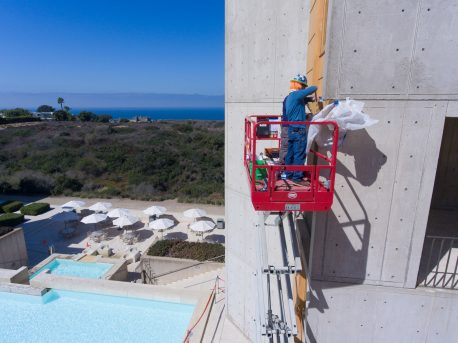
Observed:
{"x":430,"y":313}
{"x":392,"y":190}
{"x":323,"y":255}
{"x":425,"y":187}
{"x":417,"y":202}
{"x":275,"y":50}
{"x":326,"y":48}
{"x":339,"y":71}
{"x":412,"y":53}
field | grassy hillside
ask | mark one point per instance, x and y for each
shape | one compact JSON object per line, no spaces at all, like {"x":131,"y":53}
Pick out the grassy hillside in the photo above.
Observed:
{"x":147,"y":161}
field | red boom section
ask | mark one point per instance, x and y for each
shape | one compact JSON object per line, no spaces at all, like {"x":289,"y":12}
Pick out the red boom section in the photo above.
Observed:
{"x":270,"y":190}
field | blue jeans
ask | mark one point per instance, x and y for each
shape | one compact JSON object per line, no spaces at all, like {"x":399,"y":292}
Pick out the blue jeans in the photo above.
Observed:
{"x":297,"y":142}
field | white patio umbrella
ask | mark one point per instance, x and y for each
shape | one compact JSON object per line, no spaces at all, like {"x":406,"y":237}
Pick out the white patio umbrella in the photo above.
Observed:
{"x":202,"y":226}
{"x":194,"y":213}
{"x":155,"y":210}
{"x":94,"y":219}
{"x":101,"y":207}
{"x":118,"y":212}
{"x":125,"y":221}
{"x":161,"y":225}
{"x":71,"y":205}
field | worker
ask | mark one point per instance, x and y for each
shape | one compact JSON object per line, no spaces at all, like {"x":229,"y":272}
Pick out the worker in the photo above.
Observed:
{"x":294,"y":110}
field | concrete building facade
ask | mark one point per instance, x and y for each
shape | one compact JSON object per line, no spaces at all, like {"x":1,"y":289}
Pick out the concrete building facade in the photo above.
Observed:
{"x":399,"y":57}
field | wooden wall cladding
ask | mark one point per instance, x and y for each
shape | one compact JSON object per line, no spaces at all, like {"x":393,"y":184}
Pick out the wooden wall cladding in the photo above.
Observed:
{"x":316,"y":43}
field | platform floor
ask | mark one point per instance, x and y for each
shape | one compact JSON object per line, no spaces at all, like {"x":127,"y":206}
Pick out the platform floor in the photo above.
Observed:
{"x":285,"y":186}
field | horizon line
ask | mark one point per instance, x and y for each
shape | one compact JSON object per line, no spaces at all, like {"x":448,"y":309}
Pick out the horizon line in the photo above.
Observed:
{"x":111,"y":93}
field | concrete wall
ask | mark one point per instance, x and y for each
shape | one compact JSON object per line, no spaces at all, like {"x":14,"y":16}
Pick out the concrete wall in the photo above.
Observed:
{"x":264,"y":48}
{"x":399,"y":58}
{"x":385,"y":177}
{"x":392,"y":49}
{"x":13,"y":252}
{"x":361,"y":313}
{"x":386,"y":54}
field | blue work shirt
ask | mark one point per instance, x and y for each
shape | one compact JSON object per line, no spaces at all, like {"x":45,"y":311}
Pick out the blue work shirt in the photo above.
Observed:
{"x":294,"y":106}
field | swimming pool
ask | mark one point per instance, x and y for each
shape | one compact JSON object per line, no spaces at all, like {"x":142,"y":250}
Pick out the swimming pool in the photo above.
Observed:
{"x":65,"y":267}
{"x":63,"y":316}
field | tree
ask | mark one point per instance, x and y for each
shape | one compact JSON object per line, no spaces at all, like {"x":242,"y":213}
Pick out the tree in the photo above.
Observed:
{"x":61,"y":115}
{"x":60,"y":101}
{"x":86,"y":116}
{"x":17,"y":112}
{"x":45,"y":108}
{"x":103,"y":118}
{"x":66,"y":109}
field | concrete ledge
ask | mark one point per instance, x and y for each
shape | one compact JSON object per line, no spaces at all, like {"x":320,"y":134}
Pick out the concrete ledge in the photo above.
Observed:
{"x":21,"y":289}
{"x":116,"y":288}
{"x":20,"y":275}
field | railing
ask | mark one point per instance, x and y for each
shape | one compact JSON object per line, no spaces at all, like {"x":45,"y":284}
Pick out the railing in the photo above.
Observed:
{"x":439,"y":264}
{"x":148,"y":276}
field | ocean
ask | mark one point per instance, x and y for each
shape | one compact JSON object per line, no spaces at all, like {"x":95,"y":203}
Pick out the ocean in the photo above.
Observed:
{"x":159,"y":113}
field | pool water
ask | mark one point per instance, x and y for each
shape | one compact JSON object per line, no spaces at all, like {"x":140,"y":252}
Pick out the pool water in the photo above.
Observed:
{"x":63,"y":316}
{"x":64,"y":267}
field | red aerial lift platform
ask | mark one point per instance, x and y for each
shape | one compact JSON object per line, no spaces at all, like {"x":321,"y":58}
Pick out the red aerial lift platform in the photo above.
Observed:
{"x":271,"y":192}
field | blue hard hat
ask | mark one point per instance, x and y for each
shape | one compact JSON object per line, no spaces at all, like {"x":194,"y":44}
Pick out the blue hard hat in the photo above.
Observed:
{"x":300,"y":78}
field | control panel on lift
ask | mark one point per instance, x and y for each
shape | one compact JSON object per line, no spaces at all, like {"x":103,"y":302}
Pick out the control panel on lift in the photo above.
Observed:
{"x":271,"y":188}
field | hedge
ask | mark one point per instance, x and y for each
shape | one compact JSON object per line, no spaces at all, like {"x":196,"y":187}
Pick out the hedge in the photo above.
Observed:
{"x":191,"y":250}
{"x":3,"y":202}
{"x":11,"y":219}
{"x":18,"y":120}
{"x":12,"y":206}
{"x":4,"y":230}
{"x":35,"y":209}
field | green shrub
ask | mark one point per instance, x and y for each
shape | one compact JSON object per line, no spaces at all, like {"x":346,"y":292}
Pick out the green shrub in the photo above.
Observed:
{"x":16,"y":112}
{"x":200,"y":251}
{"x":164,"y":160}
{"x":3,"y":202}
{"x":161,"y":248}
{"x":64,"y":183}
{"x":11,"y":219}
{"x":4,"y":230}
{"x":18,"y":120}
{"x":12,"y":206}
{"x":35,"y":209}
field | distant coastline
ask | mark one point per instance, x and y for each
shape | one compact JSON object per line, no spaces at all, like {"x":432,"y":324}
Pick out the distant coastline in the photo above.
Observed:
{"x":159,"y":113}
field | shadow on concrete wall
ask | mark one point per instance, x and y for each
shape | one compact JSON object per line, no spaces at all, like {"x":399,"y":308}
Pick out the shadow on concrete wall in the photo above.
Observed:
{"x":347,"y":233}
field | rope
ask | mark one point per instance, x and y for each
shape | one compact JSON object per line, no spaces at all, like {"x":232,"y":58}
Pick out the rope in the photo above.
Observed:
{"x":186,"y":339}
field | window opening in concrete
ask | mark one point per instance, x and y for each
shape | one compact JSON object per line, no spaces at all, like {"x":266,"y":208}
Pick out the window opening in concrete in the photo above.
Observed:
{"x":439,"y":260}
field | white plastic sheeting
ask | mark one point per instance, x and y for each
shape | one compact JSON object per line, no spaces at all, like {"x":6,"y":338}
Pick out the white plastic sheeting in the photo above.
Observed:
{"x":349,"y":116}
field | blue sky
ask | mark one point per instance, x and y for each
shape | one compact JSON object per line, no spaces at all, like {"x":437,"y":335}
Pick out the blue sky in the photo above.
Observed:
{"x":112,"y":46}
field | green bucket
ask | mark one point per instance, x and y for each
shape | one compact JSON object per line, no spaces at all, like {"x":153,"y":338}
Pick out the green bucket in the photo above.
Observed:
{"x":261,"y":173}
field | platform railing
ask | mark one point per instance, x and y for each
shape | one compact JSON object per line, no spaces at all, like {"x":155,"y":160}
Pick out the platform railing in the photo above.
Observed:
{"x":439,"y":265}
